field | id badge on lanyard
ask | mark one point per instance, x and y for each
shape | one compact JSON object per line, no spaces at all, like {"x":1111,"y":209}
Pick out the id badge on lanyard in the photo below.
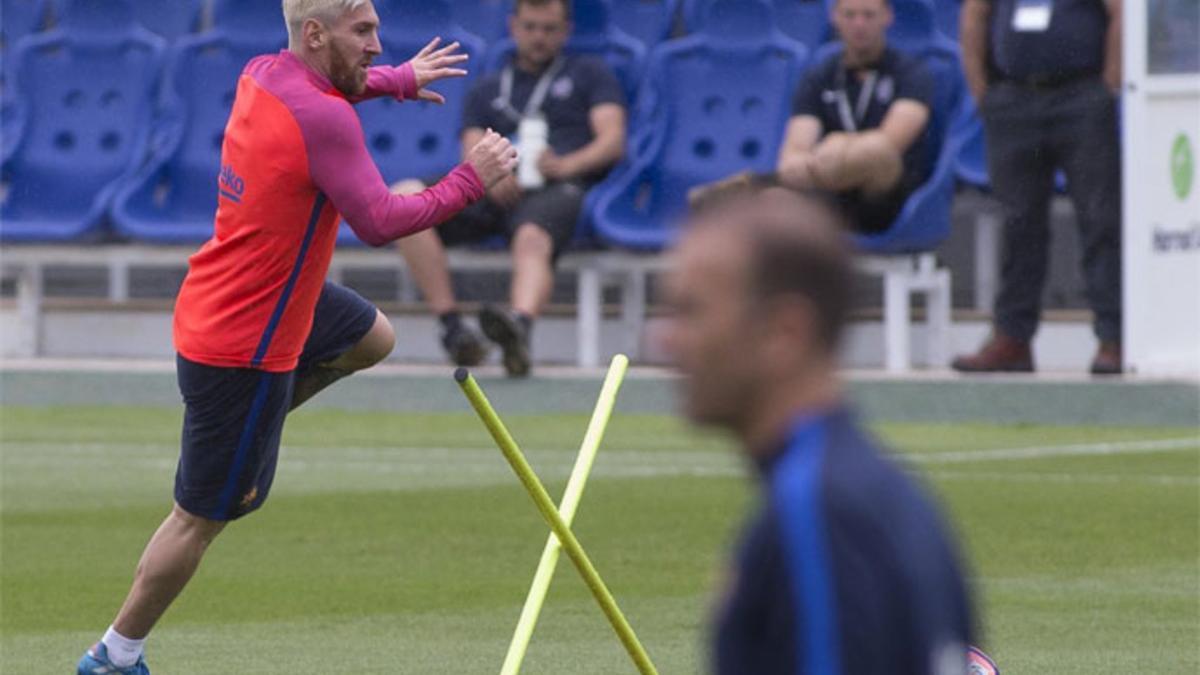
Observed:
{"x":533,"y":133}
{"x":851,"y":119}
{"x":1032,"y":16}
{"x":533,"y":107}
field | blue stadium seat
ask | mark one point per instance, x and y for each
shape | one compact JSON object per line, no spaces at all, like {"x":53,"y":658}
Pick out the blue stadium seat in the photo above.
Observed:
{"x":711,"y":106}
{"x":804,"y":20}
{"x":12,"y":121}
{"x":21,"y":17}
{"x":650,"y":21}
{"x":594,"y":34}
{"x":166,"y":19}
{"x":251,"y":21}
{"x":486,"y":18}
{"x":172,"y":19}
{"x":919,"y":24}
{"x":416,"y":139}
{"x":174,"y":197}
{"x":408,"y":25}
{"x":89,"y":96}
{"x":971,"y":164}
{"x":915,"y":26}
{"x":947,"y":17}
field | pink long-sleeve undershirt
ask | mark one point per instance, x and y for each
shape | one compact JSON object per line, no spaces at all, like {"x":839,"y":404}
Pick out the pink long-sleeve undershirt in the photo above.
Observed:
{"x":339,"y":163}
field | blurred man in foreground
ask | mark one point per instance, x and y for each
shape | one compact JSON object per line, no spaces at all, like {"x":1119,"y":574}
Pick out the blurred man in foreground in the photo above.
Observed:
{"x":847,"y":567}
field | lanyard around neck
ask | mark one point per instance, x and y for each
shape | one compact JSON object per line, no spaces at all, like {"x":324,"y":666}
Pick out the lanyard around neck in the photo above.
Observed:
{"x":533,"y":106}
{"x":852,"y":119}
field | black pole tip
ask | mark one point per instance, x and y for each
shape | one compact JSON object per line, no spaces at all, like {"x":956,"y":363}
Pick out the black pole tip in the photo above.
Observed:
{"x":461,"y":375}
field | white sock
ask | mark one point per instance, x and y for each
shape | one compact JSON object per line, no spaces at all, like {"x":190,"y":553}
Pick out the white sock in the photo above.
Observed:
{"x":122,"y":651}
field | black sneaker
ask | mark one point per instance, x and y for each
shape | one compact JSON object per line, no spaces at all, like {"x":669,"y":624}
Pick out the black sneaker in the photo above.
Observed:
{"x":506,"y":330}
{"x":464,"y":345}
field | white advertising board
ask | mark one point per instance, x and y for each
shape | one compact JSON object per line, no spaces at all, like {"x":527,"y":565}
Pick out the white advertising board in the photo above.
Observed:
{"x":1161,"y":146}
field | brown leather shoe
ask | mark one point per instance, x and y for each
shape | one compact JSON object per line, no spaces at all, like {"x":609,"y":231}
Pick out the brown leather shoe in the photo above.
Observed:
{"x":1108,"y":359}
{"x":1000,"y":354}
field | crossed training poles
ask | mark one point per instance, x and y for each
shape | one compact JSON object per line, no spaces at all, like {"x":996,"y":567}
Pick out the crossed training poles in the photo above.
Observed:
{"x":559,"y":519}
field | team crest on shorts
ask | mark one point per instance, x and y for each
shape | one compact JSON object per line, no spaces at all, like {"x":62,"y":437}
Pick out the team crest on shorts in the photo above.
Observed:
{"x":249,"y":498}
{"x":979,"y":663}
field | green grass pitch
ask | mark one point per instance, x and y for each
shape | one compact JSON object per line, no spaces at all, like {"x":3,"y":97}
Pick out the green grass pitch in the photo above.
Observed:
{"x":402,"y":543}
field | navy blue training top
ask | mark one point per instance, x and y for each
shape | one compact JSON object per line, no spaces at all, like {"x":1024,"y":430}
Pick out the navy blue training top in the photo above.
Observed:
{"x":583,"y":83}
{"x":847,"y":568}
{"x":896,"y":76}
{"x":1072,"y":45}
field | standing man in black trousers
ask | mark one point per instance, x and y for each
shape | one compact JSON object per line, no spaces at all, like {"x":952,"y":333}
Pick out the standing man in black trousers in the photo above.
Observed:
{"x":1044,"y":75}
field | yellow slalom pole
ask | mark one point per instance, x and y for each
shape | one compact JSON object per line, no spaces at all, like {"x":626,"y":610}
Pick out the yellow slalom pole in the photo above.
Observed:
{"x":566,"y":509}
{"x":546,"y":506}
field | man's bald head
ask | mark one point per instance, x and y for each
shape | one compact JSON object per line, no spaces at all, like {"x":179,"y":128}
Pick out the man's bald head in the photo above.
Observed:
{"x":794,"y":244}
{"x":758,"y":293}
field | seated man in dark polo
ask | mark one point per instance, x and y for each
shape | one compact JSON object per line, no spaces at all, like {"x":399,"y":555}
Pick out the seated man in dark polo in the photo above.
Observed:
{"x":566,"y":114}
{"x":859,"y":121}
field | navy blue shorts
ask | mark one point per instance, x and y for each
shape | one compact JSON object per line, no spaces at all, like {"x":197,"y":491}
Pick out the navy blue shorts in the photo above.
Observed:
{"x":233,"y":417}
{"x":554,"y":208}
{"x":875,"y":214}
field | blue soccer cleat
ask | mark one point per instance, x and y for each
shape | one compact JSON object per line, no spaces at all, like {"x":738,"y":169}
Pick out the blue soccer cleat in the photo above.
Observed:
{"x":95,"y":662}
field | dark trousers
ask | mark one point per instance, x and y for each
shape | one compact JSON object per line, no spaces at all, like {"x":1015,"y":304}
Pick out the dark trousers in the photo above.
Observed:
{"x":1031,"y":133}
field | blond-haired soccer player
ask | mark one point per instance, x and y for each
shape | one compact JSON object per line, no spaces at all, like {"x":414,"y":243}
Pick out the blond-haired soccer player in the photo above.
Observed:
{"x":257,"y":329}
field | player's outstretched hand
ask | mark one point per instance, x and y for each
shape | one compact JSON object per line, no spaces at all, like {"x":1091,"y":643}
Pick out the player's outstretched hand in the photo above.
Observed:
{"x":432,"y":64}
{"x":493,"y":158}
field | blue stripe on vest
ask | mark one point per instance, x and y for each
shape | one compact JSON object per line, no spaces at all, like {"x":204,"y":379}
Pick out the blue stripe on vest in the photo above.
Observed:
{"x":265,"y":343}
{"x":796,"y":491}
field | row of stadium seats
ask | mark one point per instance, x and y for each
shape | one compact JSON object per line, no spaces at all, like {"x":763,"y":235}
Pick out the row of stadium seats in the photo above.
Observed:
{"x":98,"y":134}
{"x":648,"y":21}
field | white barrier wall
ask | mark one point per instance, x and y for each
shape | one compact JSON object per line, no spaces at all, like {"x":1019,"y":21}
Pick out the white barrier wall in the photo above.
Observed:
{"x":1161,"y":128}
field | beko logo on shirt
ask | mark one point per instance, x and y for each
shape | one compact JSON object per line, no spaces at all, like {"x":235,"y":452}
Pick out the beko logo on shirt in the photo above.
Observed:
{"x":232,"y":185}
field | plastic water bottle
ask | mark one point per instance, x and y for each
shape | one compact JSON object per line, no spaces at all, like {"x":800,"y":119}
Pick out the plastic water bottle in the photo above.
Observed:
{"x":533,"y":136}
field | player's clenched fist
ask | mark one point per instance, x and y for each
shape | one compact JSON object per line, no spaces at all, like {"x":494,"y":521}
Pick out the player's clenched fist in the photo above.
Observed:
{"x":493,"y":158}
